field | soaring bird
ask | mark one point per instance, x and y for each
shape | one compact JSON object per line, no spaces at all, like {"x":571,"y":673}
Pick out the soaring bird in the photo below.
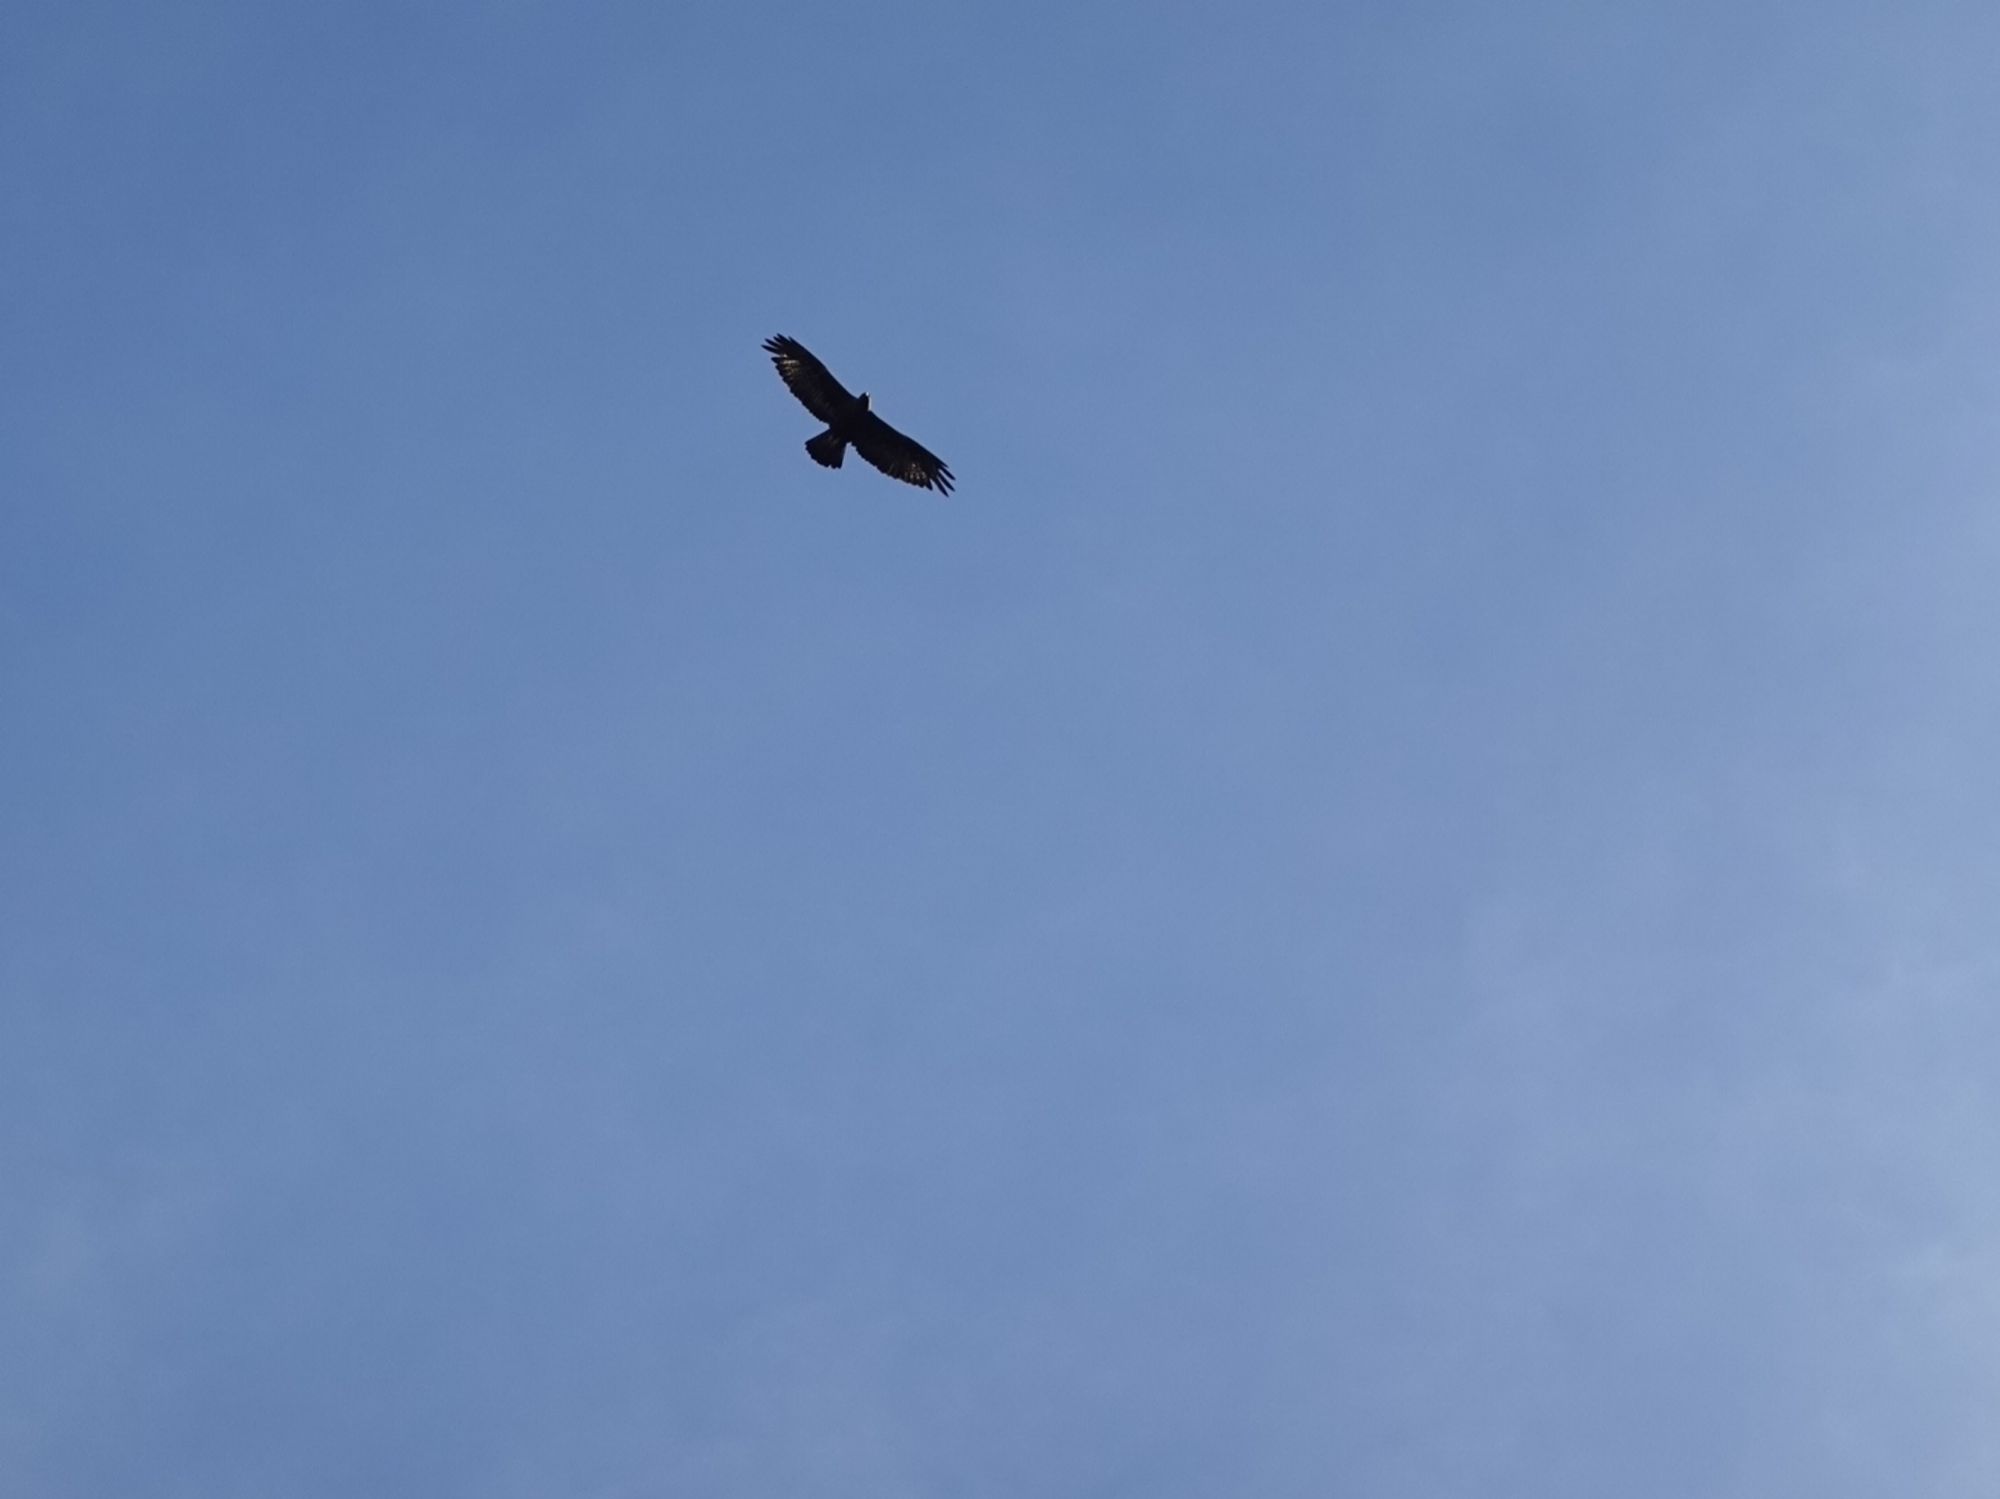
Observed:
{"x":848,"y":420}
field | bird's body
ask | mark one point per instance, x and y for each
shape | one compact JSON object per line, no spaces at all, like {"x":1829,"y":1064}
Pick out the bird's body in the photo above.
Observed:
{"x":851,"y":423}
{"x":831,"y":445}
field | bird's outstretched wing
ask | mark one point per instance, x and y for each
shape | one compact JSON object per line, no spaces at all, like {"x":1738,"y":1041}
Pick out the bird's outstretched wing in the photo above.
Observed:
{"x":808,"y":379}
{"x":898,"y":456}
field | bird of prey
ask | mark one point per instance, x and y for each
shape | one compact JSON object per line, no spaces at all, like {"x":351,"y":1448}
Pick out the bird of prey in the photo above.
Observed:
{"x":849,"y":421}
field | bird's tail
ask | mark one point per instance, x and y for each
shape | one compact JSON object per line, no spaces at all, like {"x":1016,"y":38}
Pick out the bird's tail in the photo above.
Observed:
{"x":828,"y":448}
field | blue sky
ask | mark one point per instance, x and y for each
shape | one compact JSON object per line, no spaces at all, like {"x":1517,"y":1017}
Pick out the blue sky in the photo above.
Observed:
{"x":1395,"y":899}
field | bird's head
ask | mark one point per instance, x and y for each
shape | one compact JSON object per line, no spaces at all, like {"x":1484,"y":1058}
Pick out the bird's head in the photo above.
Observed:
{"x":861,"y":401}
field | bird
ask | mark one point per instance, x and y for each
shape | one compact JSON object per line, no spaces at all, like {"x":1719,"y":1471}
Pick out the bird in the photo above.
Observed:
{"x":849,"y":421}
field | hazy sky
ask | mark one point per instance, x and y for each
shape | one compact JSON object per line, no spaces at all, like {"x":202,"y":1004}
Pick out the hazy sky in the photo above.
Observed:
{"x":1400,"y":896}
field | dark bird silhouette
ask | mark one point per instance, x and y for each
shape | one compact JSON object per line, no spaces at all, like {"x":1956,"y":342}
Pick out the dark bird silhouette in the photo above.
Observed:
{"x":849,"y":421}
